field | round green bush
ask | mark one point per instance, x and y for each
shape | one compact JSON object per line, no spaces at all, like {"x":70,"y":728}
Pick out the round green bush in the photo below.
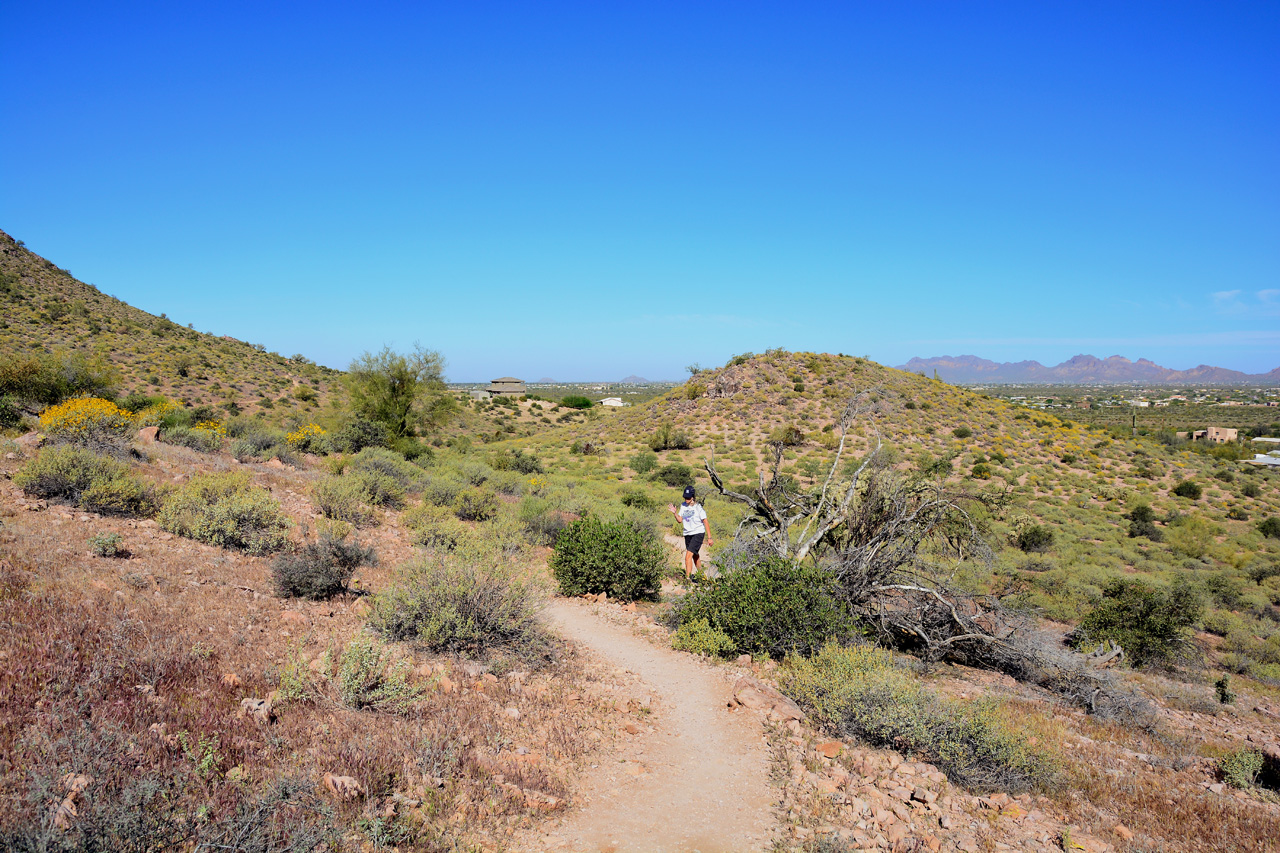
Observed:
{"x":618,"y":558}
{"x":1187,"y":489}
{"x":575,"y":401}
{"x":772,"y":606}
{"x":475,"y":504}
{"x":1035,"y":538}
{"x":224,"y":510}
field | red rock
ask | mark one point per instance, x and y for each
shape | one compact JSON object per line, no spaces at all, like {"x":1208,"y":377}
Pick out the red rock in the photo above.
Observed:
{"x":230,"y":680}
{"x":1123,"y":831}
{"x":831,"y":748}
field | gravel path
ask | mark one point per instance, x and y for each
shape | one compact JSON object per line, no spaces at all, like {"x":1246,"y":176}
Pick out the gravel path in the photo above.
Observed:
{"x":698,"y":782}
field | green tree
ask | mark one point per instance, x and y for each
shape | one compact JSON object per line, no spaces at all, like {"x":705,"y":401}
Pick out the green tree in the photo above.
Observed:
{"x":403,"y":391}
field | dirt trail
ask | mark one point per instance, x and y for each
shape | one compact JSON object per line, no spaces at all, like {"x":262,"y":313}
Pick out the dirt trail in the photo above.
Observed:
{"x":698,"y":783}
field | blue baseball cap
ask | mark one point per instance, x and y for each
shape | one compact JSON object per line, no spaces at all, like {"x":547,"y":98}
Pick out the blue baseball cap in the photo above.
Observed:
{"x":689,"y":492}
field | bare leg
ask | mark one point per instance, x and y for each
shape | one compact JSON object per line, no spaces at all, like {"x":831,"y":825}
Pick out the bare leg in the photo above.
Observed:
{"x":688,"y":564}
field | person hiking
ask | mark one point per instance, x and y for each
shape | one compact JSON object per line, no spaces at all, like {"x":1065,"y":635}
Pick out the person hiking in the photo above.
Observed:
{"x":694,"y":519}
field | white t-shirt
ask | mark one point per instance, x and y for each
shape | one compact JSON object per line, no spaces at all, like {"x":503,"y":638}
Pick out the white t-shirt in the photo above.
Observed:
{"x":693,"y":517}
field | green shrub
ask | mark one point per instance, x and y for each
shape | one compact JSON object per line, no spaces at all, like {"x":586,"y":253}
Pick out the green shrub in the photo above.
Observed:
{"x":343,"y":499}
{"x":1152,"y":625}
{"x":585,"y":447}
{"x":541,"y":520}
{"x":643,"y":462}
{"x":1187,"y":489}
{"x":1259,"y":571}
{"x":1035,"y":538}
{"x":466,"y":602}
{"x":857,"y":692}
{"x":962,"y":432}
{"x":516,"y":460}
{"x":1190,"y":535}
{"x":771,"y":606}
{"x":106,"y":545}
{"x":203,"y":440}
{"x":435,"y":527}
{"x":475,"y":504}
{"x":638,"y":499}
{"x":10,"y":412}
{"x":380,"y":489}
{"x":667,"y":437}
{"x":441,"y":489}
{"x":224,"y":510}
{"x":619,"y":558}
{"x":262,"y":445}
{"x":90,"y":480}
{"x":1240,"y":768}
{"x":377,"y":460}
{"x":321,"y":569}
{"x":576,"y":401}
{"x":357,"y":433}
{"x":1251,"y":490}
{"x":699,"y":637}
{"x":1270,"y":527}
{"x":675,"y":475}
{"x":369,"y":678}
{"x":120,"y":496}
{"x":787,"y":435}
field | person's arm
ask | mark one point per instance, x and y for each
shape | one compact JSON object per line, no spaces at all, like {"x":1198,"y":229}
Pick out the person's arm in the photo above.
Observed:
{"x":671,"y":508}
{"x":706,"y":525}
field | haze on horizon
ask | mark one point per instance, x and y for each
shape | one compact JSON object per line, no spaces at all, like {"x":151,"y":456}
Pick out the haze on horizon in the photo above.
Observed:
{"x":581,"y":192}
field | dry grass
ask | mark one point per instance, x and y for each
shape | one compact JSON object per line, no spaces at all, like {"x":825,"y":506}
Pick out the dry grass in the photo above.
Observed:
{"x":176,"y":617}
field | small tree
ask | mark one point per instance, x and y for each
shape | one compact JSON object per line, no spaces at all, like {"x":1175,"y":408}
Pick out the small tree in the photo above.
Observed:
{"x":403,"y":391}
{"x":1152,"y":625}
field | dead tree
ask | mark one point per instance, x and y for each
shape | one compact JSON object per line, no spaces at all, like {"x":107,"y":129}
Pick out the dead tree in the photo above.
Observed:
{"x":894,"y":542}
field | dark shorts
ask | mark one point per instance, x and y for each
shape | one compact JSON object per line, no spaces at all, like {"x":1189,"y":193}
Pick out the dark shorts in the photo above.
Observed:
{"x":693,"y":542}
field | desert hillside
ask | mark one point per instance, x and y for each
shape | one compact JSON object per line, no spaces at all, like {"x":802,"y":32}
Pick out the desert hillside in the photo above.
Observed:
{"x":223,"y":632}
{"x":48,"y":312}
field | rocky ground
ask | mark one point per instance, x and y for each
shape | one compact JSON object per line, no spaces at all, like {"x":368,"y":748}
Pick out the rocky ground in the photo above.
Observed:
{"x":627,"y":744}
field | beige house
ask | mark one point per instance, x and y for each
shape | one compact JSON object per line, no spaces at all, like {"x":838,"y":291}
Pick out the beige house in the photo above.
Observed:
{"x":1217,"y":435}
{"x":507,"y":386}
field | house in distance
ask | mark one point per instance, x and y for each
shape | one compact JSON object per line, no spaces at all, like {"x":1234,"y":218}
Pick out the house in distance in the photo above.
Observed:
{"x":505,"y":386}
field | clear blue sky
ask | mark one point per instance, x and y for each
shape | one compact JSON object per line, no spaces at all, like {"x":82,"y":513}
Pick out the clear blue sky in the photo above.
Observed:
{"x":596,"y":189}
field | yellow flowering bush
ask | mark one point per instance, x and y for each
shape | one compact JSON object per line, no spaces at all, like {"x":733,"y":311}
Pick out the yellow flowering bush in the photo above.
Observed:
{"x":307,"y":439}
{"x":213,"y":427}
{"x":152,"y":415}
{"x":88,"y":422}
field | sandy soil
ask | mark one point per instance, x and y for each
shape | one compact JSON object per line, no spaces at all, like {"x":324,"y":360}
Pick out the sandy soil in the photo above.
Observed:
{"x":695,"y":776}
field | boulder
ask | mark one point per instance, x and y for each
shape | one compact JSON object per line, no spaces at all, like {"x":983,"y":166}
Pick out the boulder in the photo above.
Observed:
{"x":258,"y":709}
{"x":343,"y":787}
{"x":753,"y":693}
{"x":148,"y":435}
{"x":30,"y":441}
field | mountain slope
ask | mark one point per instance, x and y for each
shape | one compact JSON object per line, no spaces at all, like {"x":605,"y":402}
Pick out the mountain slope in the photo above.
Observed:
{"x":1080,"y":369}
{"x":44,"y":309}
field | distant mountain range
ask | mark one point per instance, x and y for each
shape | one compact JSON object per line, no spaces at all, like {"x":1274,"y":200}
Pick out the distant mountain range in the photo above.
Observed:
{"x":1080,"y":370}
